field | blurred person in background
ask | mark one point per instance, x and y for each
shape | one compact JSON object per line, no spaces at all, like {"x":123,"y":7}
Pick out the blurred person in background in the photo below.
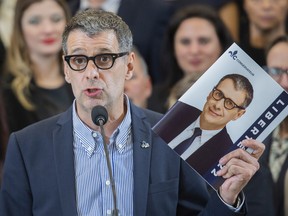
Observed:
{"x":276,"y":152}
{"x":180,"y":88}
{"x":35,"y":87}
{"x":195,"y":39}
{"x":228,"y":11}
{"x":139,"y":87}
{"x":262,"y":22}
{"x":7,"y":10}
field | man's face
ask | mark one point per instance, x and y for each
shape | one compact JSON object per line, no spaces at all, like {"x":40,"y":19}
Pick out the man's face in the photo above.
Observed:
{"x":214,"y":115}
{"x":278,"y":58}
{"x":93,"y":86}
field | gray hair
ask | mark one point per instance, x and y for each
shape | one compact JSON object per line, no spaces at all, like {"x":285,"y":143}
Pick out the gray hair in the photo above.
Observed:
{"x":93,"y":22}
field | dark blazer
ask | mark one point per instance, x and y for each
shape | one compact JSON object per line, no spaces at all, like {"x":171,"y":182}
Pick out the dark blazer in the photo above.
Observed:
{"x":39,"y":176}
{"x":180,"y":117}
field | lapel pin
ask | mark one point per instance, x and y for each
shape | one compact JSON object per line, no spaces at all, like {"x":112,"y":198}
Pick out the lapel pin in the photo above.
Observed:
{"x":144,"y":144}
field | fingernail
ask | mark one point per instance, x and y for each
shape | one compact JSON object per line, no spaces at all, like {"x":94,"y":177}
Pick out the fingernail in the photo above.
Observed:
{"x":221,"y":161}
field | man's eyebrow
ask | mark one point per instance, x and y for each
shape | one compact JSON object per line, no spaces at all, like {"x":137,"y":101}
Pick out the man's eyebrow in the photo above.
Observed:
{"x":99,"y":51}
{"x":225,"y":96}
{"x":78,"y":49}
{"x":104,"y":50}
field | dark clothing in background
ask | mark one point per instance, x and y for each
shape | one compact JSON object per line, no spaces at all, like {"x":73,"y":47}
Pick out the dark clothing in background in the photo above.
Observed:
{"x":48,"y":102}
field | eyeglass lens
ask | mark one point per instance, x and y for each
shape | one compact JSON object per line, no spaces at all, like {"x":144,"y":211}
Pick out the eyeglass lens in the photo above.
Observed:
{"x":102,"y":61}
{"x":274,"y":71}
{"x":218,"y":95}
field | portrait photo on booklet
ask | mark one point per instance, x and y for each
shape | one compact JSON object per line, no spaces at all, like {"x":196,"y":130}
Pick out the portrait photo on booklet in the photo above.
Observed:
{"x":235,"y":99}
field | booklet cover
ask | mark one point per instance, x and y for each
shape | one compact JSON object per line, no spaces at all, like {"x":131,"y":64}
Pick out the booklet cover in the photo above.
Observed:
{"x":233,"y":100}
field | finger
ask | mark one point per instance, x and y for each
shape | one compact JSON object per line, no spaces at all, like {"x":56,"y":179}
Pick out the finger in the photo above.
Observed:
{"x":239,"y":167}
{"x":258,"y":149}
{"x":238,"y":154}
{"x":256,"y":146}
{"x":228,"y":169}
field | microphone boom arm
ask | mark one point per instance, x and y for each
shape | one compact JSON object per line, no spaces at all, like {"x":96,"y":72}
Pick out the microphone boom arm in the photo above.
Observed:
{"x":99,"y":116}
{"x":115,"y":210}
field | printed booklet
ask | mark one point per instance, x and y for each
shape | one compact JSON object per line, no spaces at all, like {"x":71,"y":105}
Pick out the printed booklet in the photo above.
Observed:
{"x":233,"y":100}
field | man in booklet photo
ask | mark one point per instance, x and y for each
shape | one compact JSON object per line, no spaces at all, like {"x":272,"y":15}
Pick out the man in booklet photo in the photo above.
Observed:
{"x":203,"y":133}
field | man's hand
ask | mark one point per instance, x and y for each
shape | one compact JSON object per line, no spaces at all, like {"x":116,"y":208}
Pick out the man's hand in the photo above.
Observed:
{"x":239,"y":168}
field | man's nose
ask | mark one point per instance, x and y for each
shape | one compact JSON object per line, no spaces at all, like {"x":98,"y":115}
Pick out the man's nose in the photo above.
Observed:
{"x":91,"y":71}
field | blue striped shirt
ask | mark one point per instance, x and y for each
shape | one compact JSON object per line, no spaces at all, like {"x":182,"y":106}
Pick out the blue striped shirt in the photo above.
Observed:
{"x":93,"y":188}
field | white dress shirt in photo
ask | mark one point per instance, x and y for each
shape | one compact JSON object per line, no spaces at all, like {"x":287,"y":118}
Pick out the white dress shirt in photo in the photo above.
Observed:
{"x":197,"y":143}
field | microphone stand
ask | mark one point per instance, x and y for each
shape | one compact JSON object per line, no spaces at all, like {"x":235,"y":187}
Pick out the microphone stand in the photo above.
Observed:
{"x":115,"y":210}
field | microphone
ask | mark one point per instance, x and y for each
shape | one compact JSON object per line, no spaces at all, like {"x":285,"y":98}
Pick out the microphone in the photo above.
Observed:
{"x":99,"y":117}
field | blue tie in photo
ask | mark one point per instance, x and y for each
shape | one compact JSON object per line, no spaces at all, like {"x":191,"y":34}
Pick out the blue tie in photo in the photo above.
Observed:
{"x":183,"y":146}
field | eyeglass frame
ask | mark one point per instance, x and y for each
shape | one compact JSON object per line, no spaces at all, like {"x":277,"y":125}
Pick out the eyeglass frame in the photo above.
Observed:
{"x":268,"y":69}
{"x":93,"y":58}
{"x":225,"y":99}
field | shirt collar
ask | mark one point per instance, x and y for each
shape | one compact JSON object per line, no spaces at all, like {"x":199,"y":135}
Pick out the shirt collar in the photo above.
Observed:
{"x":206,"y":134}
{"x":123,"y":131}
{"x":87,"y":135}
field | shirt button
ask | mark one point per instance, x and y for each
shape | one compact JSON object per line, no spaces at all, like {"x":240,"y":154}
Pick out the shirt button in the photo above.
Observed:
{"x":107,"y":182}
{"x":120,"y":145}
{"x":89,"y":148}
{"x":109,"y":212}
{"x":94,"y":135}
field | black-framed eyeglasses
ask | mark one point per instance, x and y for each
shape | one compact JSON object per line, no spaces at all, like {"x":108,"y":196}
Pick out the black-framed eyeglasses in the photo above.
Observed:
{"x":228,"y":103}
{"x":274,"y":71}
{"x":102,"y":61}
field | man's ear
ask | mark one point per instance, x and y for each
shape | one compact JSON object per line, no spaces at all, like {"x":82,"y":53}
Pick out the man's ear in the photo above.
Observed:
{"x":130,"y":66}
{"x":239,"y":114}
{"x":66,"y":71}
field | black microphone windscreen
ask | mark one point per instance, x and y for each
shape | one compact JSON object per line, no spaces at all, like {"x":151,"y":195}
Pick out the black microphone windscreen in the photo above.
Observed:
{"x":99,"y":115}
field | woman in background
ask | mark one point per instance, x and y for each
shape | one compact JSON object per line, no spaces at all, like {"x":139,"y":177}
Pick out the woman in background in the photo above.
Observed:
{"x":35,"y":87}
{"x":195,"y":39}
{"x":262,"y":21}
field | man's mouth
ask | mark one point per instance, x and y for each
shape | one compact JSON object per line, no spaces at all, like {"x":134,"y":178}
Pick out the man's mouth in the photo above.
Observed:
{"x":93,"y":92}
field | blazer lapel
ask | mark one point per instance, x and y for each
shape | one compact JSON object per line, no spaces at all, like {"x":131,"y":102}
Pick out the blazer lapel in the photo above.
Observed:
{"x":142,"y":146}
{"x":64,"y":157}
